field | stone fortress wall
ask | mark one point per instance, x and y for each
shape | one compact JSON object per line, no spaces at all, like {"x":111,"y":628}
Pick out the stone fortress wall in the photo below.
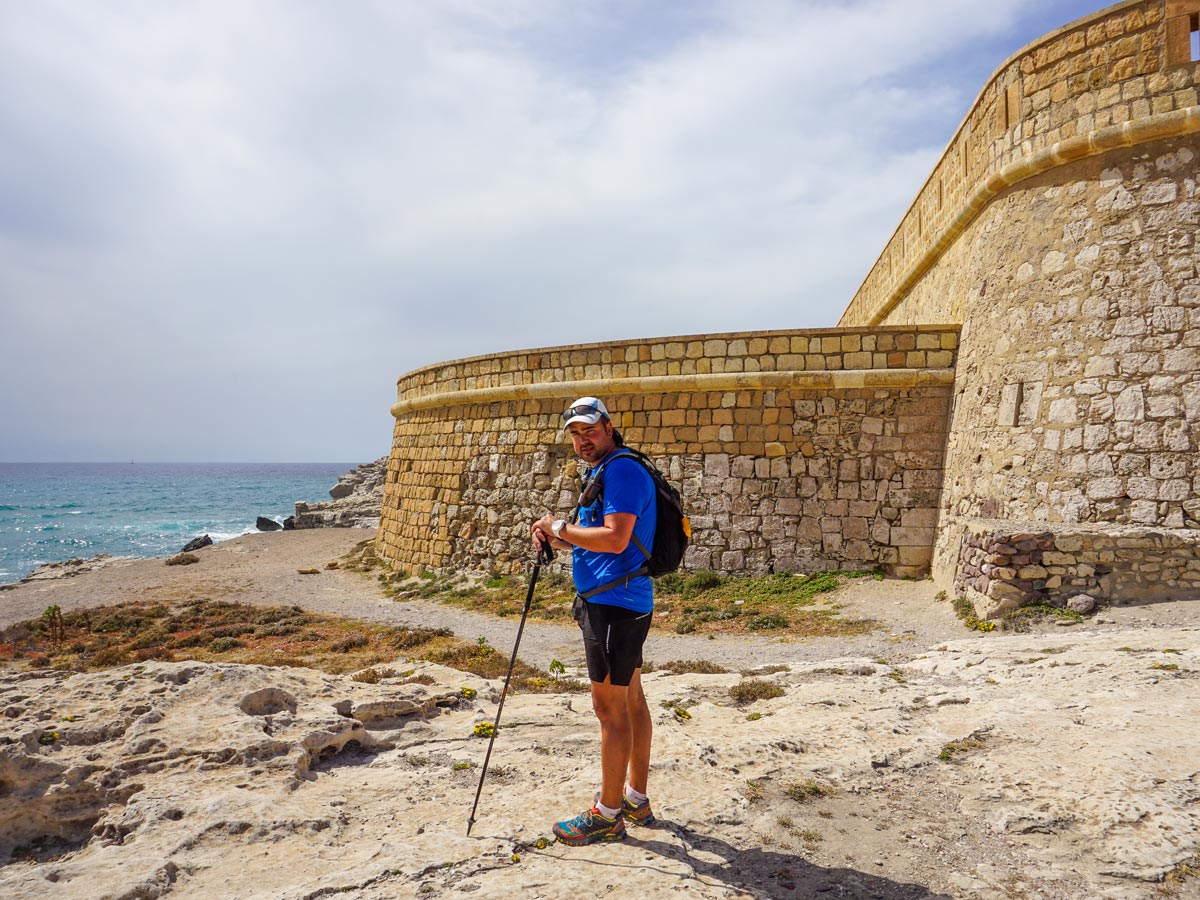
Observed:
{"x":794,"y":450}
{"x":1049,"y":449}
{"x":1060,"y":232}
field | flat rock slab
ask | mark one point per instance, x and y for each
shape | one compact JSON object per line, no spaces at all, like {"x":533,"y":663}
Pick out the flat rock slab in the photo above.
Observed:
{"x":1055,"y":766}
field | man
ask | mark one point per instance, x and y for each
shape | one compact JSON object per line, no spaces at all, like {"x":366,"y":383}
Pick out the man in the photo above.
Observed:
{"x":613,"y":606}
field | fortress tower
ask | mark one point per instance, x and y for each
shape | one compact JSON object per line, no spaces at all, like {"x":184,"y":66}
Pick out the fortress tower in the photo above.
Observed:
{"x":1060,"y":231}
{"x":1011,"y":399}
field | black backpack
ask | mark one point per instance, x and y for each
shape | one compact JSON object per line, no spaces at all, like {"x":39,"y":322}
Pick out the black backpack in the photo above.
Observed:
{"x":672,"y":530}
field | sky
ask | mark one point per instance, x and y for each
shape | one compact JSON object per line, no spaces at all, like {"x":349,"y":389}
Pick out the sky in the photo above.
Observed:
{"x":227,"y":227}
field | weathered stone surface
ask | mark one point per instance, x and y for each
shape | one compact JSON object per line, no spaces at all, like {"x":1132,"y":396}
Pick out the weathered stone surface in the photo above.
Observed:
{"x":203,"y":779}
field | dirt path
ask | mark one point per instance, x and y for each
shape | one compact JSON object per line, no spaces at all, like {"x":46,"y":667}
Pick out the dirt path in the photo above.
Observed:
{"x":262,"y":569}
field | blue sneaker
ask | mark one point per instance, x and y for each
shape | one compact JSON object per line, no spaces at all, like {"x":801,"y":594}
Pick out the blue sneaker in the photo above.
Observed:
{"x":590,"y":827}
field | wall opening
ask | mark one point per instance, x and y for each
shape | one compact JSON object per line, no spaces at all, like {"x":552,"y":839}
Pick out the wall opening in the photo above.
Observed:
{"x":1195,"y":23}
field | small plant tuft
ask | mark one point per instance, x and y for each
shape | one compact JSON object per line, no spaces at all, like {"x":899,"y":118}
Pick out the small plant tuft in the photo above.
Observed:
{"x":965,"y":610}
{"x":753,"y":791}
{"x":954,"y":747}
{"x":803,"y":791}
{"x":753,"y":689}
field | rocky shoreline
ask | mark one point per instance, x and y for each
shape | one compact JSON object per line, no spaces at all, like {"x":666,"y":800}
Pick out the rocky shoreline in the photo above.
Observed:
{"x":357,"y":499}
{"x":355,"y":502}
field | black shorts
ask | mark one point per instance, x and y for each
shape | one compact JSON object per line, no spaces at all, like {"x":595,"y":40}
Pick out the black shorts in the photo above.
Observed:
{"x":612,"y":640}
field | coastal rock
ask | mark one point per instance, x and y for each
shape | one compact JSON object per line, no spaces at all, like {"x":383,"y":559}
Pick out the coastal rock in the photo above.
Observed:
{"x":70,"y":568}
{"x":196,"y":544}
{"x":357,"y":500}
{"x":186,"y":750}
{"x":289,"y":524}
{"x":262,"y":523}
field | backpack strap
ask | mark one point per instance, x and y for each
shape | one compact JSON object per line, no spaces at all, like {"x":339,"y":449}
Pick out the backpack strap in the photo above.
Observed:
{"x":616,"y":582}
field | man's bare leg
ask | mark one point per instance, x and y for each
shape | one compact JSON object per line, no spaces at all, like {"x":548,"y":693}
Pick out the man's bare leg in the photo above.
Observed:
{"x":611,"y":704}
{"x":641,"y":728}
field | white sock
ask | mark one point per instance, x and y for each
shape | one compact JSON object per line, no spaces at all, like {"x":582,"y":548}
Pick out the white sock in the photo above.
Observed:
{"x":635,"y":797}
{"x":606,"y":811}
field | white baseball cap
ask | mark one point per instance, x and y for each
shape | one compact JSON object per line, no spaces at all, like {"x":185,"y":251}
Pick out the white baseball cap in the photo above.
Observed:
{"x":587,"y":410}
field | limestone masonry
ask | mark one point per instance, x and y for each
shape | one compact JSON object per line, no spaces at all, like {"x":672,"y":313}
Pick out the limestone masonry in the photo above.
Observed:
{"x":1011,"y":402}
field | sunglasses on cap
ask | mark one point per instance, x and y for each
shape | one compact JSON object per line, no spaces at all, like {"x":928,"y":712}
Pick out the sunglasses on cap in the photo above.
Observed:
{"x":582,"y":411}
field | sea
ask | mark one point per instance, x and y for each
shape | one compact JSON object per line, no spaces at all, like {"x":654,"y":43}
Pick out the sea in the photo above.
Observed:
{"x":58,"y":511}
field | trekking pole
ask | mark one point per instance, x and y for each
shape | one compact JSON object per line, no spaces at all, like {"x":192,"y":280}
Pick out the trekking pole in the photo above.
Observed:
{"x":545,"y":555}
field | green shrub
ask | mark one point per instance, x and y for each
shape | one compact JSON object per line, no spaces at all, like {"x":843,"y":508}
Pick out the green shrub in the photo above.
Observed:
{"x":699,"y":582}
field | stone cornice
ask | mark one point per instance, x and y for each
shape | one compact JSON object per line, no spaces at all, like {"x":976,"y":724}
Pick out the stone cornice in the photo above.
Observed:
{"x":1177,"y":123}
{"x":847,"y":379}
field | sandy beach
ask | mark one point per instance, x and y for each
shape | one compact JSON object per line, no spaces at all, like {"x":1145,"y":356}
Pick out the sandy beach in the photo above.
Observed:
{"x":920,"y":760}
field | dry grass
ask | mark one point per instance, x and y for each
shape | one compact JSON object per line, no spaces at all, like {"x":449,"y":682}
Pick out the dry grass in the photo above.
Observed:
{"x":803,"y":791}
{"x":1175,"y":880}
{"x":698,"y":666}
{"x":220,"y":631}
{"x":687,"y":603}
{"x":753,"y":689}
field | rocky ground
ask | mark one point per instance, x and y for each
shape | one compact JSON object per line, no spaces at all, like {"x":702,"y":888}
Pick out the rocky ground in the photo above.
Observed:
{"x":920,"y":761}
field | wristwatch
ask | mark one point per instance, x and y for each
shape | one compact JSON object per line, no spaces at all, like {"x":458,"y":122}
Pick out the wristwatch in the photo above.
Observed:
{"x":557,"y":526}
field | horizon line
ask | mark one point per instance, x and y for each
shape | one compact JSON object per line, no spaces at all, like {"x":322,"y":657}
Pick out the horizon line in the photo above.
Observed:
{"x":173,"y":462}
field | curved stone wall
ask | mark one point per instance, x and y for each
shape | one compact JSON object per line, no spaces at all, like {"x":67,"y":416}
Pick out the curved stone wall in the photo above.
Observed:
{"x":794,"y":450}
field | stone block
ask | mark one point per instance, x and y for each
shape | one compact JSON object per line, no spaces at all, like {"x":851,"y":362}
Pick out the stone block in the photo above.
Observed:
{"x":912,"y":537}
{"x":919,"y":518}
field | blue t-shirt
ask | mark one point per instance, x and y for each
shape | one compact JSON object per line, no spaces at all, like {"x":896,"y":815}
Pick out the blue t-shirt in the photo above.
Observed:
{"x":628,"y":488}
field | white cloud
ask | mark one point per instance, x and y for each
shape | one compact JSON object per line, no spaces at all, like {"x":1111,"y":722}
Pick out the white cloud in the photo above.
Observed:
{"x":274,"y":207}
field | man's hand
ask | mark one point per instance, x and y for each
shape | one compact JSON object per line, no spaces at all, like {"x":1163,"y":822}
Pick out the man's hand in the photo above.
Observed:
{"x":611,"y":537}
{"x":541,"y":533}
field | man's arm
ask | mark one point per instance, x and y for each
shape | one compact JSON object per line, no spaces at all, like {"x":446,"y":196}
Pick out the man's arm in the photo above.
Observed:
{"x":611,"y":537}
